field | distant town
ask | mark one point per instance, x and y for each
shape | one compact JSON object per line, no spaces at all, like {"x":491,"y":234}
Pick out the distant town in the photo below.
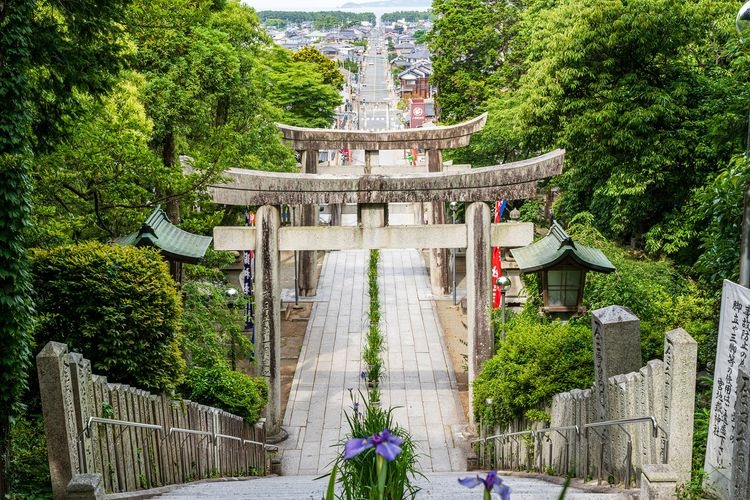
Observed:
{"x":343,"y":37}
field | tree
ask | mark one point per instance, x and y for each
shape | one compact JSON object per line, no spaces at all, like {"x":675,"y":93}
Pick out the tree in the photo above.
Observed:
{"x":299,"y":91}
{"x":100,"y":181}
{"x":472,"y":42}
{"x":327,"y":68}
{"x":44,"y":47}
{"x":642,"y":97}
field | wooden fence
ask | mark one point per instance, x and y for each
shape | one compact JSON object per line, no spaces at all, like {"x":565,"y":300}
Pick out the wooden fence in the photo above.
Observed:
{"x":132,"y":439}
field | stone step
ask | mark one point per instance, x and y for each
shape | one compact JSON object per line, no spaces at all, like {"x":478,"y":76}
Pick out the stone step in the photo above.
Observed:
{"x":434,"y":486}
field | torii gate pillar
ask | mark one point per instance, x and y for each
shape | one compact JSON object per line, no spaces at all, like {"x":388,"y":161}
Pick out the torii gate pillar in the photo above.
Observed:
{"x":478,"y":292}
{"x":268,"y":310}
{"x":309,"y":217}
{"x":438,"y":256}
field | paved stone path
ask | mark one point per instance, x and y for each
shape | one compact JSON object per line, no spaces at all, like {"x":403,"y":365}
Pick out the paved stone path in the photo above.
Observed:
{"x":436,"y":485}
{"x":419,"y":377}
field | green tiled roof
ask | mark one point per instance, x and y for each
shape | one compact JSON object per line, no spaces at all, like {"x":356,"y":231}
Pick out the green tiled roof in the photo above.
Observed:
{"x":173,"y":242}
{"x":558,"y":247}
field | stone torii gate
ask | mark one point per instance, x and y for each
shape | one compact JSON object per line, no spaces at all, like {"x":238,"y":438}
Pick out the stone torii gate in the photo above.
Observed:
{"x":309,"y":142}
{"x":372,"y":193}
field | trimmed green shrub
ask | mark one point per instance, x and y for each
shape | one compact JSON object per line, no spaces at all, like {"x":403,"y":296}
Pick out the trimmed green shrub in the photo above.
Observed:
{"x":538,"y":359}
{"x":229,"y":390}
{"x":118,"y":306}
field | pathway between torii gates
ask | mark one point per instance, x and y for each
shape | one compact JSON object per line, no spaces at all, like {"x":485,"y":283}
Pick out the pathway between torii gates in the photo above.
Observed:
{"x":418,"y":375}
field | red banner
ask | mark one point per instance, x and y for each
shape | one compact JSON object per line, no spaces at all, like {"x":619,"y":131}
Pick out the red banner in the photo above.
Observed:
{"x":416,"y":113}
{"x":497,"y":266}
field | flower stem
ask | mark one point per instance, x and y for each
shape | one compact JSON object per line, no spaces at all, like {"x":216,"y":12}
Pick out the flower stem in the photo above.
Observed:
{"x":381,"y":466}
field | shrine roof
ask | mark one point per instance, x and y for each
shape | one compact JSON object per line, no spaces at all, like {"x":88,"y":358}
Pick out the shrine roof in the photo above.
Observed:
{"x":173,"y":242}
{"x":557,"y":247}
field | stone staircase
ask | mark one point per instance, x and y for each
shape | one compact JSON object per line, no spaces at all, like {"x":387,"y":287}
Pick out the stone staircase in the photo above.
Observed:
{"x":434,"y":486}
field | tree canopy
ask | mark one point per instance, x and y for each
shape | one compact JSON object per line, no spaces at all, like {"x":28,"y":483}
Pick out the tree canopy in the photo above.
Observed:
{"x":648,"y":97}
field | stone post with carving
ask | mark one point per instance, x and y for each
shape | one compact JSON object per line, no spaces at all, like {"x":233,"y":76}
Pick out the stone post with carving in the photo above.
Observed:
{"x":478,"y":291}
{"x":55,"y":386}
{"x":268,"y":310}
{"x":680,"y":359}
{"x":617,"y":350}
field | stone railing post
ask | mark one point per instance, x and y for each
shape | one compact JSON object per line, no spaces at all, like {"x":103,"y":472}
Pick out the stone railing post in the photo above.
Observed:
{"x":478,"y":292}
{"x":680,"y":358}
{"x":59,"y":415}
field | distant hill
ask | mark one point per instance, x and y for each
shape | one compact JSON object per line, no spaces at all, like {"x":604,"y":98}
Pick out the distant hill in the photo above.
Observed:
{"x":396,"y":4}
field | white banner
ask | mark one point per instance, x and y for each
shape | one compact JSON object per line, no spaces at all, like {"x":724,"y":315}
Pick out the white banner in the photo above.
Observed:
{"x":731,"y":354}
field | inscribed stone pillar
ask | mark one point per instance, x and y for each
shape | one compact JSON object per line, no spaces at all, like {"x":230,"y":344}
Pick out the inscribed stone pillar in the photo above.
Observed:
{"x":740,"y":485}
{"x":267,"y":309}
{"x":59,"y":415}
{"x":83,"y":402}
{"x":680,"y":359}
{"x":619,"y":332}
{"x":732,"y":353}
{"x":617,"y":350}
{"x":308,"y":261}
{"x":439,"y":266}
{"x":478,"y":291}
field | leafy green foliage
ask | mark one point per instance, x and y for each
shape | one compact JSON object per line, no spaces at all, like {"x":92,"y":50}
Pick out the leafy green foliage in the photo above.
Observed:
{"x":211,"y":330}
{"x":471,"y":42}
{"x":298,"y":89}
{"x":229,"y":390}
{"x":537,"y":360}
{"x":118,"y":306}
{"x":358,"y":476}
{"x":720,"y":204}
{"x":327,"y":68}
{"x":374,"y":340}
{"x":653,"y":290}
{"x":100,"y":181}
{"x":28,"y":470}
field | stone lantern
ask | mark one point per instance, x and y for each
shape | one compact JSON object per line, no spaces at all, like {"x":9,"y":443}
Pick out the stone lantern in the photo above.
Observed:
{"x":561,"y":264}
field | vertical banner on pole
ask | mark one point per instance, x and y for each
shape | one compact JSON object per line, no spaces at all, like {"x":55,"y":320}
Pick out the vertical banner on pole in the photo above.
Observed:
{"x":497,"y":267}
{"x":248,"y":265}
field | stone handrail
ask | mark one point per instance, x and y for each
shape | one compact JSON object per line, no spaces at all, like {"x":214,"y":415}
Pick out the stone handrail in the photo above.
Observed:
{"x":100,"y":435}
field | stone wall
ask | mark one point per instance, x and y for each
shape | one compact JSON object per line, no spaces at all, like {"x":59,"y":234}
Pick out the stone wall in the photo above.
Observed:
{"x":660,"y":394}
{"x":180,"y":440}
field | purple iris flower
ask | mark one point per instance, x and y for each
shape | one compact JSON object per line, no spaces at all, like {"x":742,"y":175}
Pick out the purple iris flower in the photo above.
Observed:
{"x":386,"y":445}
{"x":491,"y":482}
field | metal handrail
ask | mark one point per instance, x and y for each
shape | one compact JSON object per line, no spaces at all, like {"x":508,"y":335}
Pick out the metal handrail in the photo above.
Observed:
{"x":632,"y":420}
{"x":507,"y":434}
{"x":547,"y":430}
{"x":189,"y":431}
{"x":224,"y":436}
{"x":620,"y":423}
{"x":125,"y":423}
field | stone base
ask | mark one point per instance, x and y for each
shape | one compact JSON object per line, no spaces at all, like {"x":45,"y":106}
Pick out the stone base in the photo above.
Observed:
{"x":85,"y":487}
{"x":658,"y":482}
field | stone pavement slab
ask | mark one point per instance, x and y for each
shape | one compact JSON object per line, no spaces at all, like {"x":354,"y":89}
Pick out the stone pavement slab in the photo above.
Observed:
{"x":435,"y":485}
{"x":419,"y":377}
